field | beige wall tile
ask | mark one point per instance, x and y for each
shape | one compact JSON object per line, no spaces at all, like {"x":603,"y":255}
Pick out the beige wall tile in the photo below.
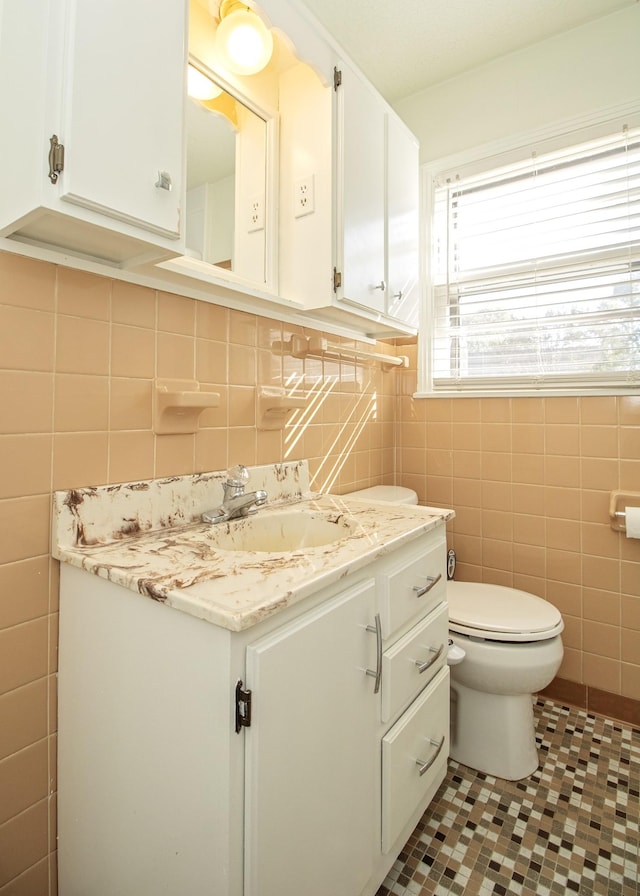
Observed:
{"x":562,"y":410}
{"x":27,"y":283}
{"x":130,"y":403}
{"x":26,"y":339}
{"x":132,"y":304}
{"x":212,"y":321}
{"x":175,"y":356}
{"x":23,"y":654}
{"x":83,"y":295}
{"x":26,"y":401}
{"x":133,"y":352}
{"x":599,"y":409}
{"x":601,"y":639}
{"x":25,"y":465}
{"x":601,"y":672}
{"x":24,"y":591}
{"x":601,"y":606}
{"x":599,"y":441}
{"x":630,"y":609}
{"x":23,"y":717}
{"x":599,"y":473}
{"x":82,"y":346}
{"x":563,"y":439}
{"x":629,"y":410}
{"x":23,"y":847}
{"x":24,"y":528}
{"x":630,"y":442}
{"x":528,"y":410}
{"x":131,"y":456}
{"x":81,"y":402}
{"x":630,"y":681}
{"x":175,"y":455}
{"x":176,"y":314}
{"x":242,"y":365}
{"x":80,"y":459}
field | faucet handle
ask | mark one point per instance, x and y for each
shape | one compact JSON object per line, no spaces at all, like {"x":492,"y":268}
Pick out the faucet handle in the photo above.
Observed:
{"x":238,"y":476}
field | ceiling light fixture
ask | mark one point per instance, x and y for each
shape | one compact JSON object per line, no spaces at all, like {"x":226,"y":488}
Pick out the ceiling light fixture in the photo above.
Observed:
{"x":243,"y":41}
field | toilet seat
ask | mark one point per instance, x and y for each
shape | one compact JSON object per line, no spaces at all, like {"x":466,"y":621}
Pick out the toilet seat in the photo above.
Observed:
{"x":497,"y":613}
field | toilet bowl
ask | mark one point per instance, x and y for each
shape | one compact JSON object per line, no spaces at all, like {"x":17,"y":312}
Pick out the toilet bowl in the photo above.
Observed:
{"x":513,"y":649}
{"x":505,"y":646}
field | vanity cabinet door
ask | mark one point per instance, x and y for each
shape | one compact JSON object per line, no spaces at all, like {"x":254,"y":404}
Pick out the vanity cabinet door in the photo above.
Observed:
{"x":311,"y":800}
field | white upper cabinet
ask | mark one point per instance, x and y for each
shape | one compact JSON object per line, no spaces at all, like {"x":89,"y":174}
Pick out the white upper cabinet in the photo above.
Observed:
{"x":352,"y":256}
{"x":107,"y":79}
{"x":360,"y":211}
{"x":402,"y":222}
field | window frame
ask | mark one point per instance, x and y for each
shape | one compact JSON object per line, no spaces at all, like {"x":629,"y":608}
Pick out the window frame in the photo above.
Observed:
{"x":558,"y":136}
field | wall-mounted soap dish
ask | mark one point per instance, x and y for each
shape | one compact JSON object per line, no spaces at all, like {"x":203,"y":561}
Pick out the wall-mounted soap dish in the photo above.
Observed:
{"x":178,"y":405}
{"x":274,"y":404}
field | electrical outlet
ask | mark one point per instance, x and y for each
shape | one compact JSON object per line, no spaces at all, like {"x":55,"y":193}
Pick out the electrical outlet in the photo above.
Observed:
{"x":256,"y":214}
{"x":303,"y":197}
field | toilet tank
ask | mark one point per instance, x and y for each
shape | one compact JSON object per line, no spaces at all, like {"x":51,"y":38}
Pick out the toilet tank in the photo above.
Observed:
{"x":386,"y":494}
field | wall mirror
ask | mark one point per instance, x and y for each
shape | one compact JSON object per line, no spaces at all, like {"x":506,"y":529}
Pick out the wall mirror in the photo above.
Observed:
{"x":230,"y":145}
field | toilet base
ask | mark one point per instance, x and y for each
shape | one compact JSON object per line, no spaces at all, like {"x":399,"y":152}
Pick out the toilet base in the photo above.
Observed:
{"x":493,"y":733}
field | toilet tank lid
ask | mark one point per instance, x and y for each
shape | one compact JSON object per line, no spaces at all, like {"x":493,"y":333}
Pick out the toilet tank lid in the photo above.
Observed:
{"x":499,"y":613}
{"x":387,"y":494}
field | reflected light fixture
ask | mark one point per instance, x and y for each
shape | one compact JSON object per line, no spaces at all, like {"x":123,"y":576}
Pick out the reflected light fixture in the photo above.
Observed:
{"x":199,"y":86}
{"x":243,"y":41}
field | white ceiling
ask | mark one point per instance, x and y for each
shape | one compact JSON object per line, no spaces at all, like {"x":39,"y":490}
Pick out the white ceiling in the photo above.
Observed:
{"x":404,"y":46}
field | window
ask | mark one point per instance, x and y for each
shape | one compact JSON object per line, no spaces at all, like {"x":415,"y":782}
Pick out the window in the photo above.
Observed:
{"x":536,"y":271}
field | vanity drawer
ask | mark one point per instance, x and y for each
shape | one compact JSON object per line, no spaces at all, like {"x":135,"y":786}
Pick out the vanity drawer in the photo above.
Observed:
{"x":414,"y":584}
{"x":414,"y":758}
{"x":413,"y":661}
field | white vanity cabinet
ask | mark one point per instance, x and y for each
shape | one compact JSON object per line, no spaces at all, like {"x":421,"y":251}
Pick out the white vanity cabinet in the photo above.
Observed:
{"x":105,"y":81}
{"x":294,"y":756}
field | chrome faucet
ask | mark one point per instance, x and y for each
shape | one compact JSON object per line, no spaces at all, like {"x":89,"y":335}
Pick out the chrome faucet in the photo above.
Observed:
{"x":235,"y":501}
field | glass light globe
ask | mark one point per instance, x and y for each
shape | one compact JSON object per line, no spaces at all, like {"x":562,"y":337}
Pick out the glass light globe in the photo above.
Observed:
{"x":244,"y":43}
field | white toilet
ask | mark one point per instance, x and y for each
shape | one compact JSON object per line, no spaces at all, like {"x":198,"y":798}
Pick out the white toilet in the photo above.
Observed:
{"x":505,"y":646}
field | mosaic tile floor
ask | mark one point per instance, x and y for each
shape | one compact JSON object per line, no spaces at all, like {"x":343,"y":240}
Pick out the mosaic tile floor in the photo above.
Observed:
{"x":572,"y":827}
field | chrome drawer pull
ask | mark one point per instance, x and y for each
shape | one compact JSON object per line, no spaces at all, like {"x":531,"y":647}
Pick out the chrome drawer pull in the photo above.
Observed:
{"x":431,"y":581}
{"x":427,"y":765}
{"x":378,"y":632}
{"x":422,"y":667}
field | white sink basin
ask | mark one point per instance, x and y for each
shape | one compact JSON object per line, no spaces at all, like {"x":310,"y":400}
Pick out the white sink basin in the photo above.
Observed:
{"x":287,"y":531}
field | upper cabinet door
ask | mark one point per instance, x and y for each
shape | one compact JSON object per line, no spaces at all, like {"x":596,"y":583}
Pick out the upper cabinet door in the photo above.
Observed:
{"x":403,"y":193}
{"x":361,"y":189}
{"x":122,"y":110}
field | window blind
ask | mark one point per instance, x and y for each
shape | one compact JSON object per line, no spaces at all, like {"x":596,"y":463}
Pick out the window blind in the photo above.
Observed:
{"x":536,"y":271}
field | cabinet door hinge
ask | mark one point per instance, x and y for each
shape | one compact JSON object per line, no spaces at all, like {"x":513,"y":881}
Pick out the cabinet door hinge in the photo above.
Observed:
{"x":337,"y":78}
{"x":243,"y":707}
{"x":56,"y":158}
{"x":337,"y":280}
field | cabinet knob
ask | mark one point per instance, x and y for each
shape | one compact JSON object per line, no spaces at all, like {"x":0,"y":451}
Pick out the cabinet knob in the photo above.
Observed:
{"x":397,"y":295}
{"x":382,"y":285}
{"x":164,"y":181}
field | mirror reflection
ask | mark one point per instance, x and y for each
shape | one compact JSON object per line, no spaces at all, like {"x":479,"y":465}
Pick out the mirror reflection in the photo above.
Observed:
{"x":226,"y":183}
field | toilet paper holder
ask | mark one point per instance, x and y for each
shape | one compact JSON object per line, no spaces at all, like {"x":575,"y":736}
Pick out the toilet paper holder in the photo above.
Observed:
{"x":619,"y":501}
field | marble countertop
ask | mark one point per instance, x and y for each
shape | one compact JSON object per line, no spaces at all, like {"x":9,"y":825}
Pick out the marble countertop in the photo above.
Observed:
{"x":160,"y":548}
